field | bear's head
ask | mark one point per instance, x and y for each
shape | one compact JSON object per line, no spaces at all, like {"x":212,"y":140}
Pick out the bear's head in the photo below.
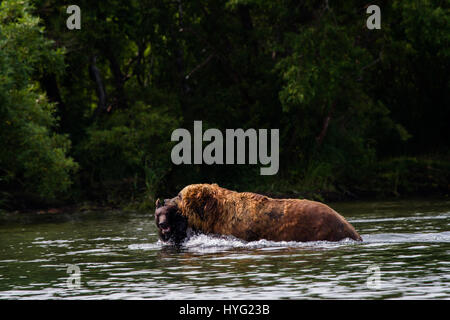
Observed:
{"x":172,"y":225}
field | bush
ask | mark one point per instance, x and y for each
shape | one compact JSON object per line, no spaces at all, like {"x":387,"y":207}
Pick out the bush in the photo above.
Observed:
{"x":33,"y":158}
{"x":129,"y":153}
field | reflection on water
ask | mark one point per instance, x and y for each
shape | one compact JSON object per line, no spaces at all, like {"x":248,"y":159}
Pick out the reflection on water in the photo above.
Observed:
{"x":120,"y":257}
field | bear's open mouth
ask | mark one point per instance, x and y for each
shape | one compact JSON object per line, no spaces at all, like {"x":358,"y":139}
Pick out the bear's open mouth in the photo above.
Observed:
{"x":164,"y":227}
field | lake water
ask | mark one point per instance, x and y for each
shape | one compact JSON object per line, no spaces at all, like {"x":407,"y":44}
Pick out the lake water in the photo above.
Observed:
{"x":405,"y":254}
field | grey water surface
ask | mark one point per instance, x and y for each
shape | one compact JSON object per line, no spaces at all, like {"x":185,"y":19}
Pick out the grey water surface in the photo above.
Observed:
{"x":404,"y":255}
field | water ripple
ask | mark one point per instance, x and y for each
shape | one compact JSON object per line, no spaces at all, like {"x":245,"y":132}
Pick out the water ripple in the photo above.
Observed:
{"x":120,"y":257}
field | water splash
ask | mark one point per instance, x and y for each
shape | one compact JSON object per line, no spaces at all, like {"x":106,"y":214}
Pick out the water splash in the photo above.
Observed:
{"x":207,"y":243}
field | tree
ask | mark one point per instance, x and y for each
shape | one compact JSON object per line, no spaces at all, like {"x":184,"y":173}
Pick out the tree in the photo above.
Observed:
{"x":33,"y":158}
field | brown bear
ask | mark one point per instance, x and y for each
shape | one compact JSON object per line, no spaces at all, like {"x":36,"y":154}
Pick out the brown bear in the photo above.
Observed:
{"x":209,"y":208}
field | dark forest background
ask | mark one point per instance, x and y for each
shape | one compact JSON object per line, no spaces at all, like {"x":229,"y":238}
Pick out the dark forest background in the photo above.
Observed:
{"x":87,"y":115}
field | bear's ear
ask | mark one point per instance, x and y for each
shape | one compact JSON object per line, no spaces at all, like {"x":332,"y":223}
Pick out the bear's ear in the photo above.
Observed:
{"x":158,"y":203}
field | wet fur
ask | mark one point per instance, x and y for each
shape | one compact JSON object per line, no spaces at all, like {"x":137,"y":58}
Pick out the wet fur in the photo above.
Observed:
{"x":177,"y":223}
{"x":249,"y":216}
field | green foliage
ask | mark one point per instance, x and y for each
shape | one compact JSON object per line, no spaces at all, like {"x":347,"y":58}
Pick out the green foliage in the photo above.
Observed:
{"x":325,"y":93}
{"x":413,"y":78}
{"x":33,"y":157}
{"x":345,"y":98}
{"x":410,"y":175}
{"x":129,"y":151}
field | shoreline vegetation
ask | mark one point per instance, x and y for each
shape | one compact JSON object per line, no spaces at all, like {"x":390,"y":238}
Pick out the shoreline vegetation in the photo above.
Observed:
{"x":395,"y":179}
{"x":87,"y":115}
